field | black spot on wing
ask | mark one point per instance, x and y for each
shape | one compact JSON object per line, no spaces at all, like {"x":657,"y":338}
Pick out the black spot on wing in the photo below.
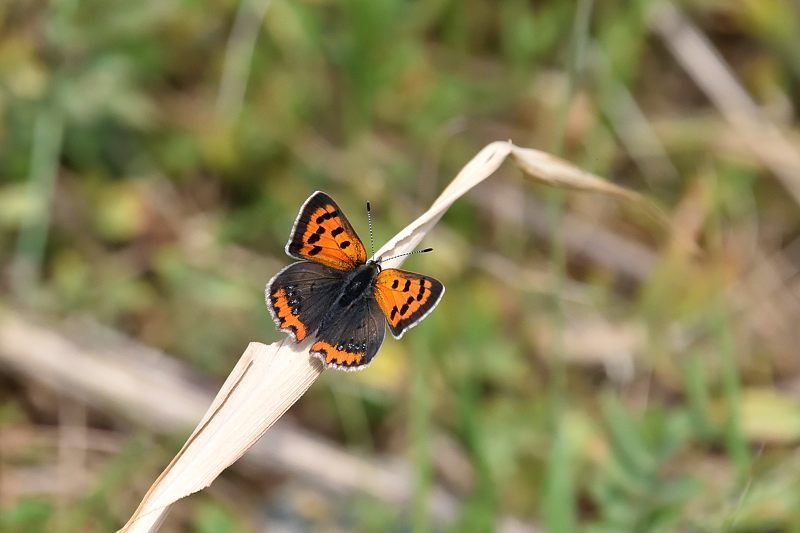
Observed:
{"x":407,"y":285}
{"x":344,"y":244}
{"x":395,"y":283}
{"x":421,"y":291}
{"x":326,"y":216}
{"x":314,"y":238}
{"x":315,"y":250}
{"x":337,"y":231}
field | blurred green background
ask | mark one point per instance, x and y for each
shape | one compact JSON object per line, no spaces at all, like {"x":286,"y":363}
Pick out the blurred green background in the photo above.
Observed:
{"x":584,"y":371}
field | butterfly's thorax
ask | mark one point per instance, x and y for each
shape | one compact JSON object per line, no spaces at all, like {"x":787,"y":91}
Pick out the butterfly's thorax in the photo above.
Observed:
{"x":357,"y":284}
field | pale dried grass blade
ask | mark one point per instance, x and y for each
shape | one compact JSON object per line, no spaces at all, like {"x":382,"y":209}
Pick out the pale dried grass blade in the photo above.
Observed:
{"x":266,"y":381}
{"x":480,"y":167}
{"x":557,"y":172}
{"x":536,"y":164}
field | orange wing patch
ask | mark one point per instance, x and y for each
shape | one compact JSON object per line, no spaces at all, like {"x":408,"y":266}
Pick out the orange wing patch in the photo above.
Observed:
{"x":284,"y":315}
{"x":322,"y":234}
{"x":406,"y":298}
{"x":343,"y":355}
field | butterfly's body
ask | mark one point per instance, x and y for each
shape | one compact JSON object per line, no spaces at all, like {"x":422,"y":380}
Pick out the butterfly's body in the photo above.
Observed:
{"x":358,"y":285}
{"x":339,"y":296}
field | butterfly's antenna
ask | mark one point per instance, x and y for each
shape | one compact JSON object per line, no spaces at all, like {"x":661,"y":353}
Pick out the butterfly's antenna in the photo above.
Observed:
{"x":371,"y":235}
{"x":426,"y":250}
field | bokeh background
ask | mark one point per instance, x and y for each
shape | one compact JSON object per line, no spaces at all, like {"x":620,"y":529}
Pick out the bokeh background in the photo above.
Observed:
{"x":587,"y":369}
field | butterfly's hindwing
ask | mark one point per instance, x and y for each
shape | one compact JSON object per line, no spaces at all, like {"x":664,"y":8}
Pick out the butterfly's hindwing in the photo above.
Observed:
{"x":300,"y":295}
{"x":323,"y":234}
{"x":349,"y":339}
{"x":406,"y":298}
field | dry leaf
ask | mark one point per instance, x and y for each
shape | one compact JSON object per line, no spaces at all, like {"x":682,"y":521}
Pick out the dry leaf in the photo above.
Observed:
{"x":267,"y":380}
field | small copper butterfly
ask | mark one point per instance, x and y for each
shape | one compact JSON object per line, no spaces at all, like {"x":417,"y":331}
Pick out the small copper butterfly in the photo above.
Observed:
{"x":339,"y":296}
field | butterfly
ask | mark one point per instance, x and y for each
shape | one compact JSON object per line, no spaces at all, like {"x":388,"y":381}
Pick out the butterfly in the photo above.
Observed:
{"x":339,"y":296}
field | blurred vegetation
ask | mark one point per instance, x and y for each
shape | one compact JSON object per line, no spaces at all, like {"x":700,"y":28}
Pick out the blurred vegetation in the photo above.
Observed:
{"x":153,"y":155}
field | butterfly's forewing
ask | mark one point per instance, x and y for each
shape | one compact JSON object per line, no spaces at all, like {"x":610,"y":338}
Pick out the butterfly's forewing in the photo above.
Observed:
{"x":322,"y":234}
{"x":406,"y":298}
{"x":300,"y":295}
{"x":348,"y":340}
